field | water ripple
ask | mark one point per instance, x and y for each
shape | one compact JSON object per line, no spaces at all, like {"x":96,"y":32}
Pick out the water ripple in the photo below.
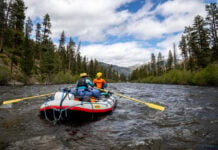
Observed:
{"x":190,"y":120}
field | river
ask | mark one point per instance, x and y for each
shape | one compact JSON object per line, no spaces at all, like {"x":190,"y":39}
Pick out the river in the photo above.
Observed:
{"x":190,"y":120}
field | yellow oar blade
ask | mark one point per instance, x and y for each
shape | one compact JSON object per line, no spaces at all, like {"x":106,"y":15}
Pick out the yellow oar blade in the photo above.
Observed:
{"x":151,"y":105}
{"x":26,"y":98}
{"x":158,"y":107}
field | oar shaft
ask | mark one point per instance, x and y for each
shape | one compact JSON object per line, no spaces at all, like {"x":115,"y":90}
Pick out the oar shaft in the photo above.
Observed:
{"x":26,"y":98}
{"x":158,"y":107}
{"x":151,"y":105}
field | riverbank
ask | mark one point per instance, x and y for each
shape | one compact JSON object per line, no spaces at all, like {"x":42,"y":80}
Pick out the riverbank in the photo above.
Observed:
{"x":204,"y":77}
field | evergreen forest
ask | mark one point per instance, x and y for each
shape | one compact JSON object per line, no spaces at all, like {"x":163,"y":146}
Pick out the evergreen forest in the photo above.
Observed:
{"x":36,"y":59}
{"x":198,"y":62}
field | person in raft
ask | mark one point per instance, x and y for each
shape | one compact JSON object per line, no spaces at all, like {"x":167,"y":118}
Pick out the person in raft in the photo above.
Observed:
{"x":84,"y":88}
{"x":99,"y":81}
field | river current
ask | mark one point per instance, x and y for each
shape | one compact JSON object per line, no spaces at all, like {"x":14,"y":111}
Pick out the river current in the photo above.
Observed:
{"x":189,"y":122}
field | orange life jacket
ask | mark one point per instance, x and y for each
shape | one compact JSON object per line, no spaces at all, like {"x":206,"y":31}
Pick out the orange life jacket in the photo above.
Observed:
{"x":99,"y":83}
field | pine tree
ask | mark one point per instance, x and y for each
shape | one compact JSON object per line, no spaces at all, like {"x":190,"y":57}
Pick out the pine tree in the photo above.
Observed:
{"x":7,"y":33}
{"x":16,"y":25}
{"x":78,"y":63}
{"x":212,"y":21}
{"x":38,"y":41}
{"x":71,"y":56}
{"x":184,"y":53}
{"x":191,"y":48}
{"x":62,"y":52}
{"x":2,"y":22}
{"x":159,"y":64}
{"x":78,"y":48}
{"x":84,"y":64}
{"x":122,"y":77}
{"x":47,"y":61}
{"x":109,"y":72}
{"x":91,"y":69}
{"x":46,"y":28}
{"x":134,"y":74}
{"x":78,"y":60}
{"x":17,"y":15}
{"x":174,"y":55}
{"x":201,"y":48}
{"x":38,"y":33}
{"x":153,"y":64}
{"x":27,"y":59}
{"x":28,"y":28}
{"x":96,"y":66}
{"x":169,"y":60}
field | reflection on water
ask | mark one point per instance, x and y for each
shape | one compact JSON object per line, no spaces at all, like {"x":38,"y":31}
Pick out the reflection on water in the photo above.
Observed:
{"x":190,"y":120}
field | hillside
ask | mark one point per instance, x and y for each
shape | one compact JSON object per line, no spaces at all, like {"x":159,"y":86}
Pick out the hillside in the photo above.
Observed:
{"x":121,"y":70}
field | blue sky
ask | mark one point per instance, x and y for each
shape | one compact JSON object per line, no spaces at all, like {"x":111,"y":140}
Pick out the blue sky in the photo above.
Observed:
{"x":119,"y":32}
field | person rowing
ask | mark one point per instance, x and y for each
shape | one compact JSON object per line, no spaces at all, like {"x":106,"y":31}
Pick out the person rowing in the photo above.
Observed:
{"x":84,"y":88}
{"x":99,"y":81}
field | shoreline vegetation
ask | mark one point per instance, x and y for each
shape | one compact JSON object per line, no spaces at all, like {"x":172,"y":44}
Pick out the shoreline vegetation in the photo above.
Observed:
{"x":205,"y":77}
{"x":17,"y":76}
{"x":17,"y":79}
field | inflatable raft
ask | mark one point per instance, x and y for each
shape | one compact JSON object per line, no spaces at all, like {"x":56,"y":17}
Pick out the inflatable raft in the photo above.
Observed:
{"x":65,"y":106}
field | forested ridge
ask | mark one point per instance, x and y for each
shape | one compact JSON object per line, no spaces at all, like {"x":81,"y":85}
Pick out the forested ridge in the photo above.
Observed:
{"x":31,"y":59}
{"x":199,"y":52}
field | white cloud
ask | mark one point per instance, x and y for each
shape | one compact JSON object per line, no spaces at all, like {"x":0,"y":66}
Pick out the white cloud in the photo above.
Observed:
{"x":85,"y":19}
{"x":179,"y":13}
{"x":121,"y":54}
{"x":145,"y":24}
{"x":174,"y":7}
{"x":95,"y":20}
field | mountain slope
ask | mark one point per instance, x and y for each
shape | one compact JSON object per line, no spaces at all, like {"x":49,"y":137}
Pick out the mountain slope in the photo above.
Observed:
{"x":121,"y":70}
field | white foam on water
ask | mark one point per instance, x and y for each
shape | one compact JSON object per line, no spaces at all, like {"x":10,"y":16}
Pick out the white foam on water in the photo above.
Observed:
{"x":6,"y":106}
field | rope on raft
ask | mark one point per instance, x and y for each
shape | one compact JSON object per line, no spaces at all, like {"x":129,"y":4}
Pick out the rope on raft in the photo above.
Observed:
{"x":57,"y":119}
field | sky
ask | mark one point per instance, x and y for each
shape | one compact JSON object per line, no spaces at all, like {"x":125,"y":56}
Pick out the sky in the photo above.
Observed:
{"x":119,"y":32}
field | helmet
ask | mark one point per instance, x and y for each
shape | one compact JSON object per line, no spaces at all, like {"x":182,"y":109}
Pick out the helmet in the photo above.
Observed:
{"x":99,"y":75}
{"x":83,"y":74}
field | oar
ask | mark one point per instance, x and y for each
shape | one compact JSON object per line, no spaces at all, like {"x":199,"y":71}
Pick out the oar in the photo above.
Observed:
{"x":151,"y":105}
{"x":26,"y":98}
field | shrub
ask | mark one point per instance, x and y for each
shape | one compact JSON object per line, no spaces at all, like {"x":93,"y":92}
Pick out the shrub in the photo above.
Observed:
{"x":212,"y":74}
{"x":207,"y":76}
{"x":4,"y":75}
{"x":62,"y":77}
{"x":172,"y":77}
{"x":199,"y":78}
